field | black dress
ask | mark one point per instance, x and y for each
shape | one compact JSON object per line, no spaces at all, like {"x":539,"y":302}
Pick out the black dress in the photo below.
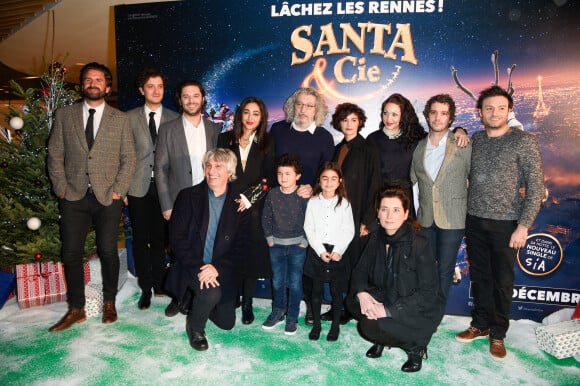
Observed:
{"x":259,"y":165}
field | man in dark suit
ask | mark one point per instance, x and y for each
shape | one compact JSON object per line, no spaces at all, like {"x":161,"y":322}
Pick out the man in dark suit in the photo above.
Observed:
{"x":147,"y":223}
{"x":208,"y":237}
{"x":181,"y":145}
{"x":91,"y":162}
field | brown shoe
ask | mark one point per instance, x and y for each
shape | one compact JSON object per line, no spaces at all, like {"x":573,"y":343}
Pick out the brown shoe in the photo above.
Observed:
{"x":109,"y":312}
{"x":471,"y":334}
{"x":497,"y":349}
{"x":72,"y":316}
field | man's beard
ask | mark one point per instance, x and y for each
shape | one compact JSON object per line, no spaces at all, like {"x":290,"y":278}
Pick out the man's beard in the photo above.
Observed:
{"x":193,"y":111}
{"x":88,"y":94}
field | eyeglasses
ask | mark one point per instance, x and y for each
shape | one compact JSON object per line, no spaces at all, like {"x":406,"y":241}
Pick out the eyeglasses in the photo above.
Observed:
{"x":300,"y":105}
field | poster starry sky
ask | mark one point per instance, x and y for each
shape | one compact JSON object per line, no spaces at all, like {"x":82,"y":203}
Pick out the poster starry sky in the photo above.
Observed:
{"x":244,"y":48}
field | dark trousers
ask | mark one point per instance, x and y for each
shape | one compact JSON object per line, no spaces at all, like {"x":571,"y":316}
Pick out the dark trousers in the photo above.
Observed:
{"x":445,"y":244}
{"x":206,"y":305}
{"x":76,"y":218}
{"x":249,"y":285}
{"x":336,"y":294}
{"x":149,"y":234}
{"x":491,"y":267}
{"x":372,"y":331}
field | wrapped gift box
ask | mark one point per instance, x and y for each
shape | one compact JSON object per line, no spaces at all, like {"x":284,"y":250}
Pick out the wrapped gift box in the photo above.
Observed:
{"x":7,"y":285}
{"x":95,"y":268}
{"x":42,"y":283}
{"x":561,"y":340}
{"x":93,"y":300}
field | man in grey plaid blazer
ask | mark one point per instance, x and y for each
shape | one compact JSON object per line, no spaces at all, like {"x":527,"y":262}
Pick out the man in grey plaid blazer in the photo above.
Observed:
{"x":91,"y":162}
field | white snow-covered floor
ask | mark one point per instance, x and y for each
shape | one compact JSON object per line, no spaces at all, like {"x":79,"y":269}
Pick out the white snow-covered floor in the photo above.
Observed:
{"x":145,"y":347}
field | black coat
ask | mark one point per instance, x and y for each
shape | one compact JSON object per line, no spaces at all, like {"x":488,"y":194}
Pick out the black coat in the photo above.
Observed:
{"x":187,"y":234}
{"x":418,"y":303}
{"x":259,"y":165}
{"x":361,"y":171}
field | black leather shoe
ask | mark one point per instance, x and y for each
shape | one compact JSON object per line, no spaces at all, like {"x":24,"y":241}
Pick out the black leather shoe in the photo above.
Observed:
{"x":415,"y":359}
{"x":144,"y":300}
{"x":172,"y":309}
{"x":197,"y":339}
{"x":247,"y":311}
{"x":375,"y":351}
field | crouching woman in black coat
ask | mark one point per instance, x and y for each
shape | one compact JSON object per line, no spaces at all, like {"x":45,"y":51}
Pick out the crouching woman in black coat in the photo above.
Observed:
{"x":395,"y":292}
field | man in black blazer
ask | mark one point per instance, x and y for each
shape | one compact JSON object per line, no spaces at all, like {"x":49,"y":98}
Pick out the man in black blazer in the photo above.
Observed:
{"x":208,"y":237}
{"x":147,"y":223}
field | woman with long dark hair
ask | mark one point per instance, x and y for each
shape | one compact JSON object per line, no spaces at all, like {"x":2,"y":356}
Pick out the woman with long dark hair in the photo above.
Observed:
{"x":254,"y":149}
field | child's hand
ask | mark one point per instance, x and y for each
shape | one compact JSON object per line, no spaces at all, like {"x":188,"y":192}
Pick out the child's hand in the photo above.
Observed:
{"x":325,"y":256}
{"x":335,"y":256}
{"x":271,"y":244}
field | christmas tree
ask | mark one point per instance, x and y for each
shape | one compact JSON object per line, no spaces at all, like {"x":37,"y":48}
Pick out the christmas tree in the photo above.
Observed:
{"x":29,"y":227}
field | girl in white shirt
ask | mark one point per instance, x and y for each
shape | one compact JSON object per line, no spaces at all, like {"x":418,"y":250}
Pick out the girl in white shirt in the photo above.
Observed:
{"x":329,"y":227}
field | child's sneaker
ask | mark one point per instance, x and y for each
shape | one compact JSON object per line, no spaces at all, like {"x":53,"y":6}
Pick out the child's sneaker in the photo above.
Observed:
{"x":276,"y":317}
{"x":291,"y":327}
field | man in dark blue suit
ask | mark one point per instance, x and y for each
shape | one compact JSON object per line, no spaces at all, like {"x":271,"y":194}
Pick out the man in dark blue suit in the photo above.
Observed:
{"x":208,"y":236}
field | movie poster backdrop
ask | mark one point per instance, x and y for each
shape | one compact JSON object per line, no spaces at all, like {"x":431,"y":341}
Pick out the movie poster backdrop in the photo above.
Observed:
{"x":361,"y":52}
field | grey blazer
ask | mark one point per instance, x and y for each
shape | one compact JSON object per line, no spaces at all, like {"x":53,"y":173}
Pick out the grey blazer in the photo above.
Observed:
{"x":443,"y":201}
{"x":144,"y":148}
{"x":172,"y":161}
{"x":110,"y":164}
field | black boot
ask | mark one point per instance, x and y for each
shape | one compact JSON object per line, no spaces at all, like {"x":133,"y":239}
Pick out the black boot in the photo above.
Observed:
{"x":247,"y":311}
{"x":375,"y":351}
{"x":333,"y":333}
{"x":415,"y":359}
{"x":315,"y":332}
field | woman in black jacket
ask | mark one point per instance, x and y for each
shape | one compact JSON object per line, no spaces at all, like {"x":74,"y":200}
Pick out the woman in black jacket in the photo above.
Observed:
{"x":395,"y":286}
{"x":255,"y":171}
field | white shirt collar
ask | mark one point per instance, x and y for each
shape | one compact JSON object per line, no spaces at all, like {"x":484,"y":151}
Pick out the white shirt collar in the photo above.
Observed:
{"x":310,"y":128}
{"x":441,"y":142}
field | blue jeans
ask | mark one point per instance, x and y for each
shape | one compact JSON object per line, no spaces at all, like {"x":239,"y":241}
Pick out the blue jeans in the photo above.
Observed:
{"x":445,"y":244}
{"x":287,"y":265}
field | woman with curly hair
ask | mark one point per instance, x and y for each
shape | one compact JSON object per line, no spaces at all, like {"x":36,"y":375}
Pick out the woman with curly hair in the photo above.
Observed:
{"x":398,"y":135}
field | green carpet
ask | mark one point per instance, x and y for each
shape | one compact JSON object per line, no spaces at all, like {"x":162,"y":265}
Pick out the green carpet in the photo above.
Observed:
{"x":146,"y":348}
